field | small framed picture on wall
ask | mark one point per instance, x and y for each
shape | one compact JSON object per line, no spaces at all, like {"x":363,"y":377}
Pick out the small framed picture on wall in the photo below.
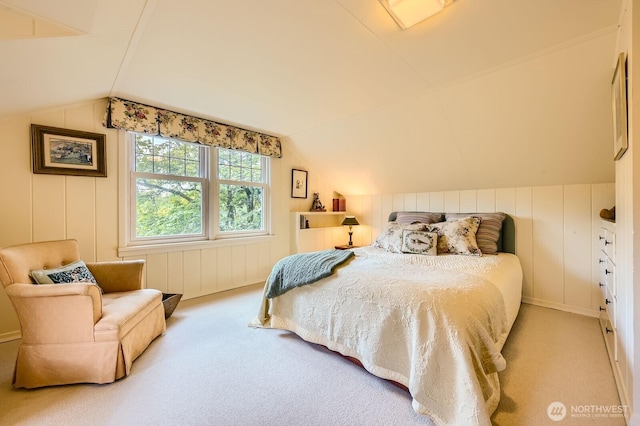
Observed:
{"x":299,"y":183}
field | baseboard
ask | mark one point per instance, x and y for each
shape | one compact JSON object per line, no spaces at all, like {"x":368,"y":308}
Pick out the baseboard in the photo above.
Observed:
{"x":561,"y":307}
{"x":12,"y":335}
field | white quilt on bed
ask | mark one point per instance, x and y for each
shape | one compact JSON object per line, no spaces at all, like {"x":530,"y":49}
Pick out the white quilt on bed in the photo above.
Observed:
{"x":434,"y":324}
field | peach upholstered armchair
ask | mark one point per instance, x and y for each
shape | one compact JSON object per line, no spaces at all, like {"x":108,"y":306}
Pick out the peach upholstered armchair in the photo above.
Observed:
{"x":78,"y":332}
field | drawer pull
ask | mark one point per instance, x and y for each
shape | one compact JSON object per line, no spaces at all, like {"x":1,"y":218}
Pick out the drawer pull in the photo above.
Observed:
{"x":600,"y":285}
{"x":607,"y":301}
{"x":608,"y":330}
{"x":600,"y":237}
{"x":602,"y":309}
{"x":607,"y":272}
{"x":601,"y":260}
{"x":606,"y":243}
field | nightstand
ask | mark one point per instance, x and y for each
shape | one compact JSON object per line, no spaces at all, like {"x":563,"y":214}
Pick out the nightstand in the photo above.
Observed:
{"x":346,"y":247}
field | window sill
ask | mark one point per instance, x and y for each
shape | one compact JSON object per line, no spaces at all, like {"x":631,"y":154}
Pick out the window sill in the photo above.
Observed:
{"x":191,"y":245}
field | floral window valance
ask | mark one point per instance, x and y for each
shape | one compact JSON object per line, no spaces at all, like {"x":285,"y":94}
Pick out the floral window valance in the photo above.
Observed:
{"x":136,"y":117}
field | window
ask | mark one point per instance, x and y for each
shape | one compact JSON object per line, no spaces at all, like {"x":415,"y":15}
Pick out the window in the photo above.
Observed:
{"x":178,"y":194}
{"x":242,"y":187}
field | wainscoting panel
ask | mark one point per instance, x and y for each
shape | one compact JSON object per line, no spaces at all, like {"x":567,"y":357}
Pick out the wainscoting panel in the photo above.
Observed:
{"x":555,"y":229}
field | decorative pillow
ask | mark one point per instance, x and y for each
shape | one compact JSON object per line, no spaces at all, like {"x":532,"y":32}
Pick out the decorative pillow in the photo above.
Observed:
{"x":418,"y":217}
{"x":390,"y":238}
{"x":457,"y":237}
{"x":420,"y":242}
{"x":75,"y":272}
{"x":489,"y":231}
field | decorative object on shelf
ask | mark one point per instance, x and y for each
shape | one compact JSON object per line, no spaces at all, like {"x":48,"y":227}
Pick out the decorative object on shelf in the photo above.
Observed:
{"x":316,"y":205}
{"x":608,"y":214}
{"x":299,"y":183}
{"x":59,"y":151}
{"x":619,"y":105}
{"x":350,"y":221}
{"x":339,"y":203}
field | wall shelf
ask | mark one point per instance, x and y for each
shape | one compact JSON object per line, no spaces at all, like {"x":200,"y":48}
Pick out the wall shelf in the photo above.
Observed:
{"x":324,"y":231}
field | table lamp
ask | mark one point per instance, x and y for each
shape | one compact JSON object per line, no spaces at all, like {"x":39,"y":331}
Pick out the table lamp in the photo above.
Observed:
{"x":350,"y":221}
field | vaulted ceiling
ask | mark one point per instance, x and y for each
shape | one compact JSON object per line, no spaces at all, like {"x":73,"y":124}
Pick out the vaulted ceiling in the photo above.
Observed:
{"x":487,"y":93}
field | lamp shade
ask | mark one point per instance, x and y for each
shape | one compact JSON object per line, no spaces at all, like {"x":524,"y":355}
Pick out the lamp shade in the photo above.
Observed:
{"x":350,"y":221}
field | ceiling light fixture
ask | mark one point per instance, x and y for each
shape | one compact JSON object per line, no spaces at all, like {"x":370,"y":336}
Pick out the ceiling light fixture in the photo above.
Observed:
{"x":409,"y":12}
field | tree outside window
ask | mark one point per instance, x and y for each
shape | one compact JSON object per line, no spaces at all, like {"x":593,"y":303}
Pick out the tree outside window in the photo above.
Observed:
{"x":170,"y":183}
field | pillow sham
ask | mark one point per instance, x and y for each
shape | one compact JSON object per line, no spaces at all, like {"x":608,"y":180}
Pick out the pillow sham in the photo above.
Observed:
{"x":457,"y":236}
{"x":418,"y":217}
{"x":75,"y":272}
{"x":489,"y":231}
{"x":390,"y":238}
{"x":420,"y":242}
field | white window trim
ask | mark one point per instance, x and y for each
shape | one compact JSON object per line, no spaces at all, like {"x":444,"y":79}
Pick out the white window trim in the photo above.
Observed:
{"x":215,"y":232}
{"x":125,"y":249}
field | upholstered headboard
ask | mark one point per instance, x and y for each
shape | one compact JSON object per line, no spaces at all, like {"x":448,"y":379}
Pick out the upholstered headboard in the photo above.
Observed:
{"x":507,"y":241}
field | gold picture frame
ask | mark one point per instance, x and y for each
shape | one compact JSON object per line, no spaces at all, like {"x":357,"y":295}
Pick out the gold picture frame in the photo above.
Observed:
{"x":58,"y":151}
{"x":619,"y":106}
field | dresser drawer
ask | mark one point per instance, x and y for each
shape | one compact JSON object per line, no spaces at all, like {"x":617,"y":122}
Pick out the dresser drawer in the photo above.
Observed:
{"x":607,"y":243}
{"x":607,"y":273}
{"x":610,"y":246}
{"x":609,"y":333}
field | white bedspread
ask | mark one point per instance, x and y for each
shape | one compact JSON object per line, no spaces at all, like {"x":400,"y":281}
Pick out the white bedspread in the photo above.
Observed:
{"x":434,"y":324}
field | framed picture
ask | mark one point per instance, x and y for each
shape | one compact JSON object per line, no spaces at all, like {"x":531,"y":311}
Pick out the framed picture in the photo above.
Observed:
{"x":299,"y":183}
{"x":59,"y":151}
{"x":619,"y":105}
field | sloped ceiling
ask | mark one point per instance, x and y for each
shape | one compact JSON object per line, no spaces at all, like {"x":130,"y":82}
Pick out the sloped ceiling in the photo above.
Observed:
{"x":489,"y":93}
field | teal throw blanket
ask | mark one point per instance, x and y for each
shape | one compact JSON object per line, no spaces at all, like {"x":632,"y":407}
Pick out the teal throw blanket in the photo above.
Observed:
{"x":304,"y":268}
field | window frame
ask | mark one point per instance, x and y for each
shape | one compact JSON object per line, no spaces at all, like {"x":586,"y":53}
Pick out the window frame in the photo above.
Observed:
{"x":266,"y":204}
{"x":212,"y":233}
{"x":204,"y":179}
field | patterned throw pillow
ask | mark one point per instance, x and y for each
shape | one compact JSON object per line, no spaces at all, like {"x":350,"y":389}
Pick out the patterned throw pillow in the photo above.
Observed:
{"x":457,"y":237}
{"x":75,"y":272}
{"x":420,"y":242}
{"x":418,"y":217}
{"x":390,"y":238}
{"x":489,"y":231}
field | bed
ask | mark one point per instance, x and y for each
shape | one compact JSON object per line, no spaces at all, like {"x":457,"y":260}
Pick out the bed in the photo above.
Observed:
{"x":434,"y":323}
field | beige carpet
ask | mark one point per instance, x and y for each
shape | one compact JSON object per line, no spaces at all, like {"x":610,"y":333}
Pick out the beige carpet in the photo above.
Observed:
{"x":211,"y":369}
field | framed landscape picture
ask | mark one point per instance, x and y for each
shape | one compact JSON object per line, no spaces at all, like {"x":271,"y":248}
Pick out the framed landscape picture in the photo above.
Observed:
{"x":59,"y":151}
{"x":619,"y":106}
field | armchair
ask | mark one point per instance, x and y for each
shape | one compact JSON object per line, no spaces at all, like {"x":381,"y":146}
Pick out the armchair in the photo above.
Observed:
{"x":79,"y":332}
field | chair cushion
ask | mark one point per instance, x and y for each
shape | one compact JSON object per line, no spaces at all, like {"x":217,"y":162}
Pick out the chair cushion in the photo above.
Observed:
{"x":122,"y":311}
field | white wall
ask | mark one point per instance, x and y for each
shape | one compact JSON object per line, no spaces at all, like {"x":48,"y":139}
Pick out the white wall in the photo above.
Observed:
{"x":39,"y":207}
{"x":628,"y":213}
{"x":543,"y":119}
{"x":556,"y":233}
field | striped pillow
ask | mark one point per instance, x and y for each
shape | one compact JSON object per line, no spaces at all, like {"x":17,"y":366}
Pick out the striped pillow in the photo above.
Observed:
{"x":489,"y":232}
{"x":418,"y":217}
